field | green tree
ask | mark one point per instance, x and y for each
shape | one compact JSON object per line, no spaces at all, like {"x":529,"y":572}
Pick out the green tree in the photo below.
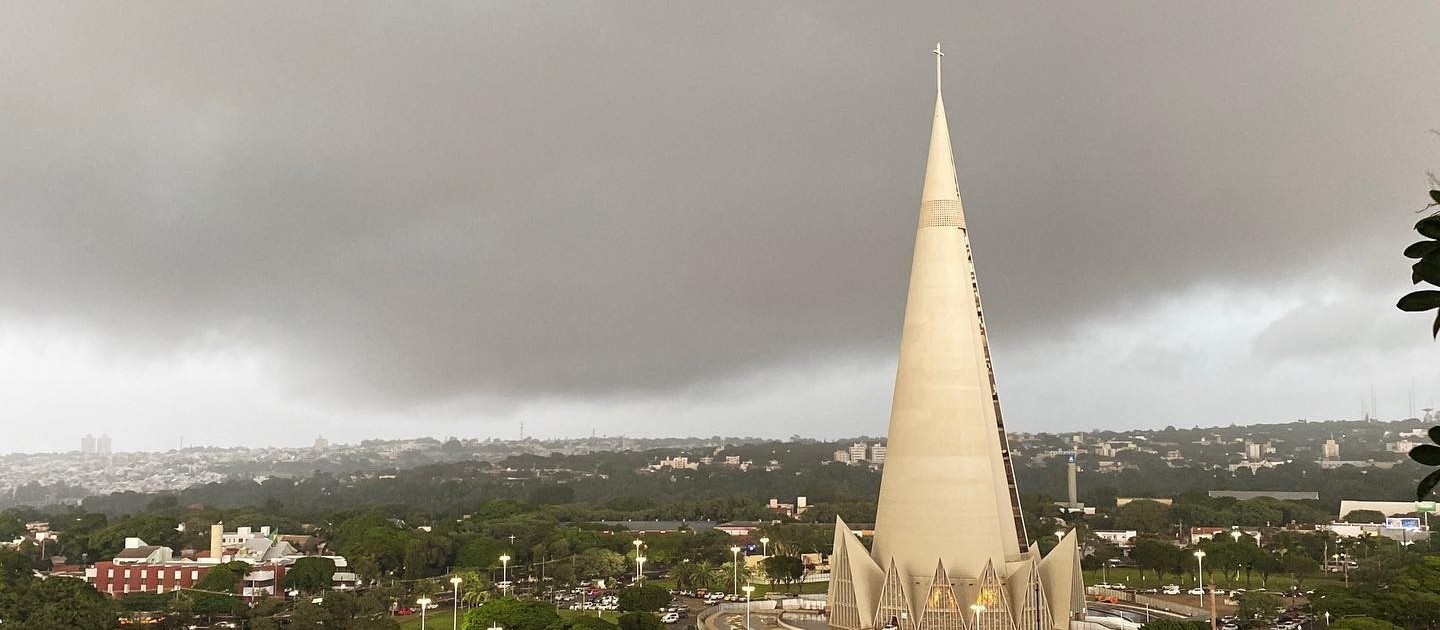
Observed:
{"x":480,"y":553}
{"x":511,"y":614}
{"x":1365,"y":516}
{"x":647,"y":598}
{"x":786,"y":570}
{"x":599,"y":564}
{"x":308,"y":615}
{"x":1257,"y":605}
{"x":311,"y":574}
{"x":1146,"y":517}
{"x":1298,"y":566}
{"x":640,"y":621}
{"x":11,"y":528}
{"x":15,"y":568}
{"x":1153,"y":554}
{"x":1175,"y":624}
{"x":693,"y":575}
{"x":1363,"y":623}
{"x":584,"y":622}
{"x":57,"y":603}
{"x":1267,"y":563}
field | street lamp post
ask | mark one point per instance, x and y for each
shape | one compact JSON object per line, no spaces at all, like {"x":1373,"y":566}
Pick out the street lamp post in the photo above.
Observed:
{"x":1200,"y":575}
{"x":977,"y":609}
{"x":765,"y":547}
{"x":455,"y":605}
{"x":735,"y":565}
{"x":504,"y":574}
{"x":1235,"y":534}
{"x":637,"y":542}
{"x":639,"y":569}
{"x":424,"y":604}
{"x":748,"y":590}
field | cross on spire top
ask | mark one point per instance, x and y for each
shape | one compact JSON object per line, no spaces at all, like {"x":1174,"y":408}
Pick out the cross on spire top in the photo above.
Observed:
{"x":938,"y":56}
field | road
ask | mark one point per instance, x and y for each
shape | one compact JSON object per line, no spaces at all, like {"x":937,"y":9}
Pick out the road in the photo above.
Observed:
{"x":736,"y":621}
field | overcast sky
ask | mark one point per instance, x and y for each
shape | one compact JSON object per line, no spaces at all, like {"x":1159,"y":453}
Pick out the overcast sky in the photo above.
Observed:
{"x":250,"y":223}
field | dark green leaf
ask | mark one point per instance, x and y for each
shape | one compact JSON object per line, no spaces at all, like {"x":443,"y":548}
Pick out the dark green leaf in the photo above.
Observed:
{"x":1419,"y":249}
{"x":1429,"y":227}
{"x":1419,"y":301}
{"x":1435,"y":194}
{"x":1426,"y":269}
{"x":1435,"y":330}
{"x":1426,"y":485}
{"x":1427,"y":454}
{"x":1434,"y":434}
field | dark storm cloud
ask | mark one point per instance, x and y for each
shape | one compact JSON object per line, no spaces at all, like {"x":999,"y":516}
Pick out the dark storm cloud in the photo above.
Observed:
{"x":418,"y":202}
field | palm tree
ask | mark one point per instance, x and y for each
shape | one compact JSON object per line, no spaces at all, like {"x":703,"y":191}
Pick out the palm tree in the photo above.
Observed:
{"x":691,"y":575}
{"x":474,"y":588}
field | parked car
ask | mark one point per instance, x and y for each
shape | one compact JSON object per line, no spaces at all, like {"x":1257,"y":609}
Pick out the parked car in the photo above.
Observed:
{"x":1196,"y":591}
{"x":669,"y":617}
{"x":1171,"y":589}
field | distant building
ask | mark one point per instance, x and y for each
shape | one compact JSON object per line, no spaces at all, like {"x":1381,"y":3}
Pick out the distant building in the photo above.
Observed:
{"x":659,"y":527}
{"x":1329,"y":464}
{"x":1402,"y":446}
{"x":102,"y":445}
{"x":1402,"y":530}
{"x":857,"y":452}
{"x":1387,"y":508}
{"x":321,"y":443}
{"x":877,"y":454}
{"x":1123,"y":538}
{"x":1198,"y":534}
{"x":87,"y":445}
{"x":789,"y":509}
{"x":842,"y":456}
{"x":1331,"y":449}
{"x":1122,"y":501}
{"x":143,"y":568}
{"x":1282,"y":495}
{"x":739,"y":528}
{"x":678,"y":462}
{"x":1254,"y":450}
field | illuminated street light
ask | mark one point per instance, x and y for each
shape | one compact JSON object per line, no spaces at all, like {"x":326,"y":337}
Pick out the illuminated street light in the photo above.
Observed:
{"x":1200,"y":560}
{"x":504,"y":574}
{"x":748,"y":590}
{"x":455,"y":605}
{"x":424,"y":604}
{"x":735,"y":564}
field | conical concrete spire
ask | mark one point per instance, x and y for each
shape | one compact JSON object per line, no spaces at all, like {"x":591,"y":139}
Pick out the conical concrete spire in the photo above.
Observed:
{"x":948,"y":523}
{"x":947,"y":493}
{"x":940,"y":181}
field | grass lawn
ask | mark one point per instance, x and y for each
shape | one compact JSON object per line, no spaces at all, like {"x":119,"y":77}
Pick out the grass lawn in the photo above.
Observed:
{"x":608,"y":615}
{"x":803,"y":588}
{"x":439,"y":619}
{"x":1133,"y":579}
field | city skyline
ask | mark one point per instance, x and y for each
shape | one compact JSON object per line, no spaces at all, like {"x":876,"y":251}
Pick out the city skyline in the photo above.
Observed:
{"x":683,"y":220}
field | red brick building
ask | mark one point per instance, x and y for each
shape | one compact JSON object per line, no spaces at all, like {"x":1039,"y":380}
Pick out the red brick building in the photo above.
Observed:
{"x":119,"y":579}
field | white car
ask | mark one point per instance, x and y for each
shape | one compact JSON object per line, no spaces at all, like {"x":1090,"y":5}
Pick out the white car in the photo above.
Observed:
{"x":670,"y":617}
{"x":1171,"y":590}
{"x":1196,"y":591}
